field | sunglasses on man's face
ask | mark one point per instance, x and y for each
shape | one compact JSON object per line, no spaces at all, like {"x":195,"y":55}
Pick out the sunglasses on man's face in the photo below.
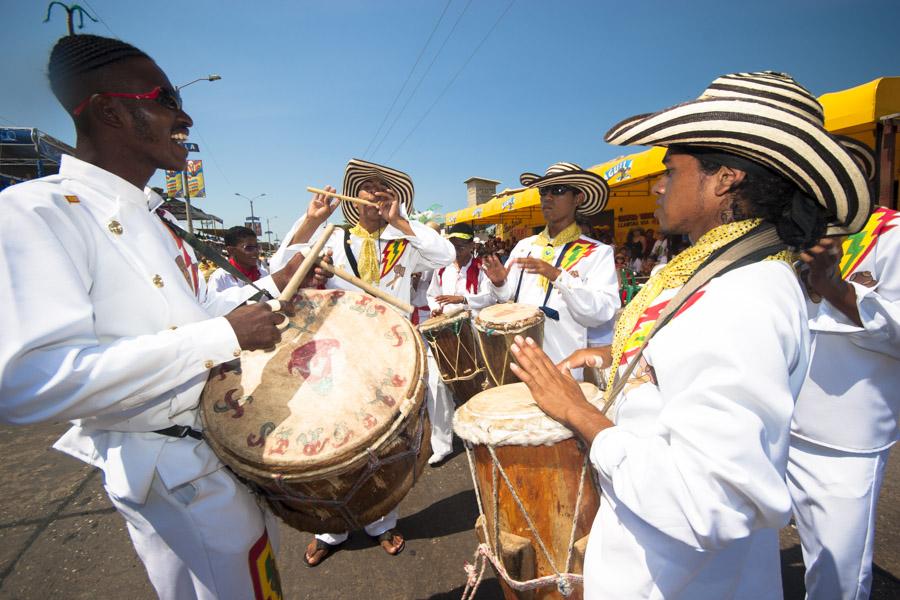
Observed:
{"x":250,"y":248}
{"x":555,"y":190}
{"x":167,"y":98}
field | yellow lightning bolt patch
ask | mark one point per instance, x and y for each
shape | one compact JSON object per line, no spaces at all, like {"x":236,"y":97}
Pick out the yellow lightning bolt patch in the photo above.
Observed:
{"x":391,"y":254}
{"x":857,"y":246}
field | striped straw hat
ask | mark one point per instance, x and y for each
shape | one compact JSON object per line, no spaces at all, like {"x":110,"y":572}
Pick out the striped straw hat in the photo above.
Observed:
{"x":771,"y":120}
{"x":359,"y":170}
{"x":595,"y":188}
{"x":781,"y":90}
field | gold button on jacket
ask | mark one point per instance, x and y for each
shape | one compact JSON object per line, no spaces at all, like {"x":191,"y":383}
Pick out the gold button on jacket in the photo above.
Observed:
{"x":158,"y":281}
{"x":115,"y":227}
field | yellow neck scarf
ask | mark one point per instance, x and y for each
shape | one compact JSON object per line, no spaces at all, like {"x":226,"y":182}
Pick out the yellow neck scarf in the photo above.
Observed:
{"x":368,"y":264}
{"x":548,"y":245}
{"x":675,"y":274}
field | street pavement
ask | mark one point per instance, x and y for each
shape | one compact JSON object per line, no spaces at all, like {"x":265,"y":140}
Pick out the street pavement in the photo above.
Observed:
{"x":61,"y":537}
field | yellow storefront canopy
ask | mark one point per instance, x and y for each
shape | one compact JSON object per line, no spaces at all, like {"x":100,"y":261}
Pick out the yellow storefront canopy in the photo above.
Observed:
{"x":854,"y":112}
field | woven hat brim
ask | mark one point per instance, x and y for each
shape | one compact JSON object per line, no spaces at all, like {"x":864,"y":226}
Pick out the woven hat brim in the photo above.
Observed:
{"x":358,"y":171}
{"x":790,"y":145}
{"x":595,"y":188}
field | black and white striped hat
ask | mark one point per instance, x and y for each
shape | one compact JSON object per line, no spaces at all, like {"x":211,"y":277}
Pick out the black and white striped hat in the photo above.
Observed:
{"x":769,"y":119}
{"x":595,"y":188}
{"x":359,"y":170}
{"x":781,"y":90}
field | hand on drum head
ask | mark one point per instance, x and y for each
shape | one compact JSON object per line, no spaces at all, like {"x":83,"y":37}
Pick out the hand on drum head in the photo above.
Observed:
{"x":598,"y":358}
{"x":555,"y":390}
{"x":494,"y":269}
{"x":254,"y":326}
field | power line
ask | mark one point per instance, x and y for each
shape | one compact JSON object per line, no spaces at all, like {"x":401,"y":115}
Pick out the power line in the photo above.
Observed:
{"x":88,"y":4}
{"x":408,"y":77}
{"x":208,"y":150}
{"x":416,"y":89}
{"x":453,"y":79}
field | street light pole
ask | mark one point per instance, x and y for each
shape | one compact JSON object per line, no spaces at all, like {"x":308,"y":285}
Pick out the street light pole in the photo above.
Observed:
{"x":250,"y":200}
{"x":184,"y":175}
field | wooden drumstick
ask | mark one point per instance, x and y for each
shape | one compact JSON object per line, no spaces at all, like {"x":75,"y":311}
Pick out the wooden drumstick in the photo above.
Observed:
{"x":341,"y":197}
{"x":367,"y":287}
{"x":308,"y":261}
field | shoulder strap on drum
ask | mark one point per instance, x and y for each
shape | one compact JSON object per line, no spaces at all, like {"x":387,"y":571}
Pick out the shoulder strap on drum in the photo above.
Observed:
{"x":753,"y":247}
{"x":543,"y":306}
{"x":348,"y":252}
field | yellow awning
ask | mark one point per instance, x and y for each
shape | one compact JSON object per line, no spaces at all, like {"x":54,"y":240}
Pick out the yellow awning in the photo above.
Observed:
{"x":854,"y":111}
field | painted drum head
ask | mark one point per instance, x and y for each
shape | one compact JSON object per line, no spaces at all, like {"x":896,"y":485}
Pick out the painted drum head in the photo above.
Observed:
{"x":445,"y":320}
{"x":508,"y":416}
{"x":344,"y":375}
{"x":508,"y":316}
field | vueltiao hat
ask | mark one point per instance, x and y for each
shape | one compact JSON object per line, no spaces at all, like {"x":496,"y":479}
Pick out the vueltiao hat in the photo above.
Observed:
{"x":359,"y":170}
{"x":771,"y":120}
{"x":595,"y":188}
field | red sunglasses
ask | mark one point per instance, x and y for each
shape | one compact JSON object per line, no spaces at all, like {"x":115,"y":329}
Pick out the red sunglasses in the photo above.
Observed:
{"x":164,"y":96}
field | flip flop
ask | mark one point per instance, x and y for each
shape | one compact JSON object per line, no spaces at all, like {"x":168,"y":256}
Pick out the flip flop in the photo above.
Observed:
{"x":386,"y":541}
{"x":320,"y":551}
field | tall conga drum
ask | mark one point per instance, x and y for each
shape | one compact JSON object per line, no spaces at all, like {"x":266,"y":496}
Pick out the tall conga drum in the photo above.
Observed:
{"x":534,"y":483}
{"x":495,"y":329}
{"x":452,"y":343}
{"x":330,"y":426}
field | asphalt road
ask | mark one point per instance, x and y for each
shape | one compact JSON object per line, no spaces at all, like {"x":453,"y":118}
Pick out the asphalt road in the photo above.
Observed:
{"x":62,"y":539}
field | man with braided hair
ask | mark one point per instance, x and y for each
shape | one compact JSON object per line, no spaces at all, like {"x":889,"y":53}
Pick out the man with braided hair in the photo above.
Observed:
{"x":123,"y":342}
{"x":710,"y":356}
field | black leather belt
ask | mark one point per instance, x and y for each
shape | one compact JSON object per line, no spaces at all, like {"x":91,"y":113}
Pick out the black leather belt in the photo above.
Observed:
{"x":180,"y":431}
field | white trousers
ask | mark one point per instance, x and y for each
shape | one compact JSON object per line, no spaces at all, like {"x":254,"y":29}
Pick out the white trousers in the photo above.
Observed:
{"x":374,"y":529}
{"x":834,"y":496}
{"x":439,"y":403}
{"x":207,"y":540}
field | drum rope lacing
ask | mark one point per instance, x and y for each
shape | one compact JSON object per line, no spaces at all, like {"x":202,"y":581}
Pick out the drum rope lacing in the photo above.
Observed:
{"x":374,"y":464}
{"x":565,"y":582}
{"x":507,"y":339}
{"x":436,"y":350}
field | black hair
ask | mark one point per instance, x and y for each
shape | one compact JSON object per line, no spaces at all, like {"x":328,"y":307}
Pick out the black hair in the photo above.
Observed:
{"x":76,"y":59}
{"x":764,"y":194}
{"x":235,"y":234}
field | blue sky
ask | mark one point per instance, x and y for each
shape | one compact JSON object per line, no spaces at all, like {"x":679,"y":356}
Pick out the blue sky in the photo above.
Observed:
{"x":500,"y":88}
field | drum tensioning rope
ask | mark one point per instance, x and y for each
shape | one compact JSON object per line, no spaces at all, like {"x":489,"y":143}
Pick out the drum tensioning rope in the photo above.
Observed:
{"x":436,"y":350}
{"x":374,"y":463}
{"x":565,"y":581}
{"x":508,"y":336}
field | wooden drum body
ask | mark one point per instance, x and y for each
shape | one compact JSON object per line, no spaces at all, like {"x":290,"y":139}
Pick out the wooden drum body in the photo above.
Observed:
{"x":330,"y":426}
{"x":496,"y":327}
{"x":452,"y":343}
{"x":548,"y":470}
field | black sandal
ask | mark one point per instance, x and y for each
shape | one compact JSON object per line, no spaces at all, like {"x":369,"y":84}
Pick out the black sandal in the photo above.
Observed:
{"x":324,"y":547}
{"x":388,"y":536}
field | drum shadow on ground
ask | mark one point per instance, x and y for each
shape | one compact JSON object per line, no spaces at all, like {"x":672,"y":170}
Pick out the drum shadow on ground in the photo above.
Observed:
{"x":488,"y":590}
{"x":447,"y":516}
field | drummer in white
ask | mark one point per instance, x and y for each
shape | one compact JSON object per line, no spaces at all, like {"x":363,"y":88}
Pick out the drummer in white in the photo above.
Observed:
{"x":692,"y":470}
{"x":571,"y":277}
{"x":382,"y":247}
{"x":116,"y":331}
{"x":461,"y":285}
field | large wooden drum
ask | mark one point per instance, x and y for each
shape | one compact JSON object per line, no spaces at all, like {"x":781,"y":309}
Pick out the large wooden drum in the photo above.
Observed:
{"x":549,"y":474}
{"x":495,"y":329}
{"x":329,"y":426}
{"x":452,"y":343}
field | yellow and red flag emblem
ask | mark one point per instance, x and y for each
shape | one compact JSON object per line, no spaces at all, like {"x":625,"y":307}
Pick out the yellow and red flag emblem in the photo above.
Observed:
{"x":391,"y":254}
{"x":575,"y":252}
{"x":264,"y":571}
{"x":857,"y":246}
{"x":645,"y":324}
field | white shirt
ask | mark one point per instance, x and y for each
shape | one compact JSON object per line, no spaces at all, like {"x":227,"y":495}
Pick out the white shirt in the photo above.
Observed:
{"x":452,"y":282}
{"x":100,"y":326}
{"x":693,"y":472}
{"x":424,"y":250}
{"x":586,"y":294}
{"x":221,"y":279}
{"x":851,"y":398}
